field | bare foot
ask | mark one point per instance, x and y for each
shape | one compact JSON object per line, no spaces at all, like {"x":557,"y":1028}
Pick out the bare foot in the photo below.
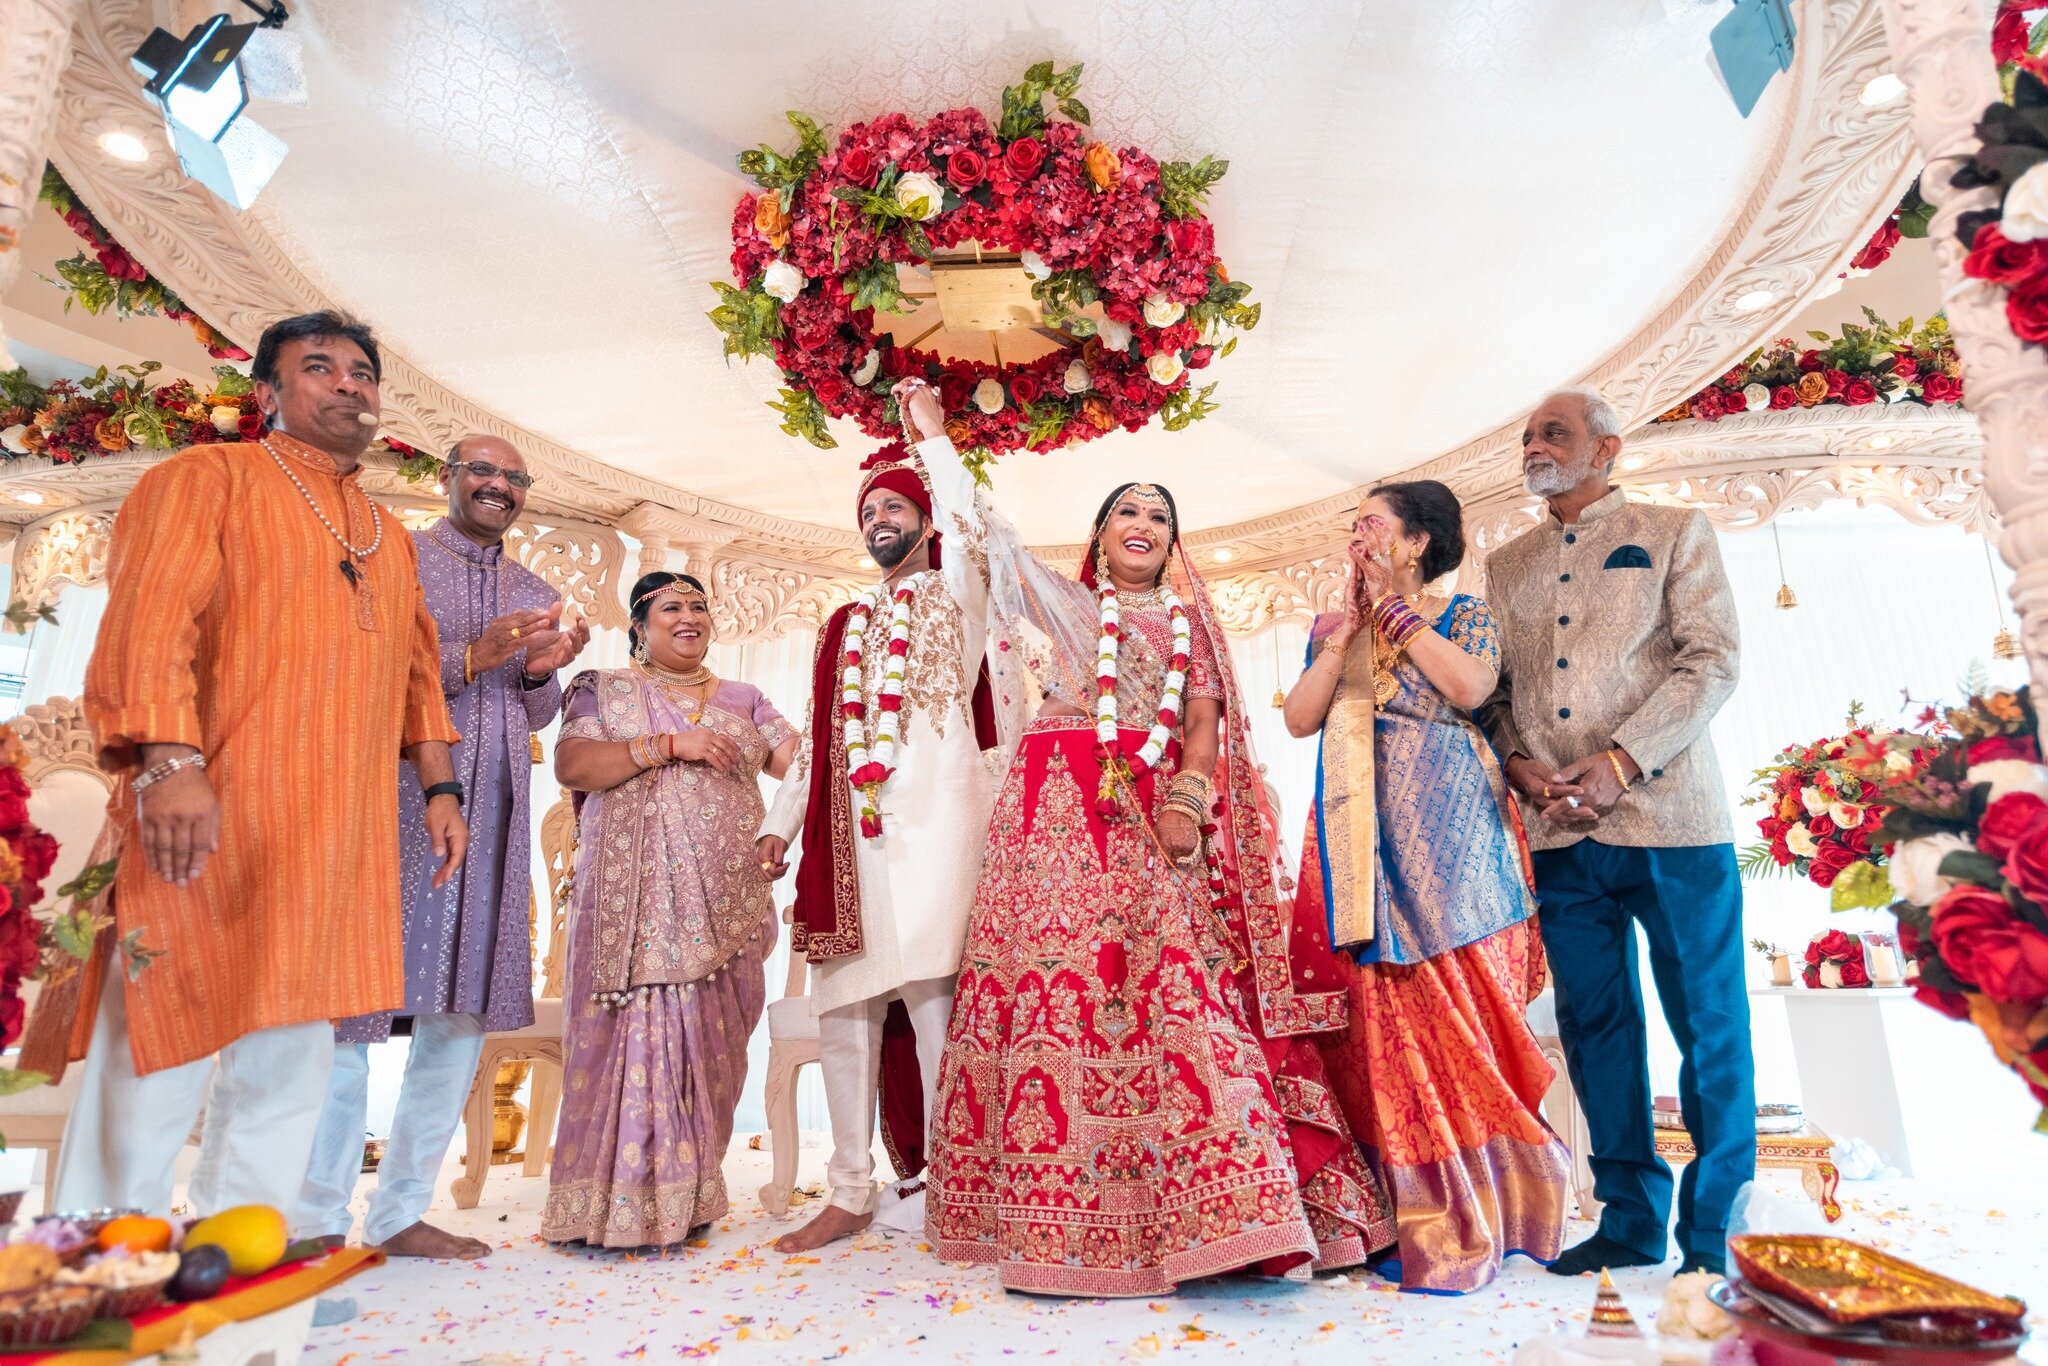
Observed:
{"x":832,"y":1224}
{"x":424,"y":1240}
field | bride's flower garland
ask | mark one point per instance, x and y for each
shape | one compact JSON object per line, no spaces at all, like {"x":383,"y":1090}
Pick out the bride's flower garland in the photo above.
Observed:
{"x":869,"y":766}
{"x":1105,"y":694}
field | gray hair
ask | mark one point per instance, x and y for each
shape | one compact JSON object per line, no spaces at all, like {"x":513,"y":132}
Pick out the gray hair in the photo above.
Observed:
{"x":1601,"y":419}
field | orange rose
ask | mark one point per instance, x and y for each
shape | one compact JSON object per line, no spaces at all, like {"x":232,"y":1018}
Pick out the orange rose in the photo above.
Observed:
{"x":10,"y":417}
{"x":959,"y":431}
{"x":771,"y":221}
{"x":1096,"y":410}
{"x":34,"y":439}
{"x":1678,"y":414}
{"x":1222,"y":275}
{"x":1103,"y":167}
{"x":111,"y":435}
{"x":1812,"y":388}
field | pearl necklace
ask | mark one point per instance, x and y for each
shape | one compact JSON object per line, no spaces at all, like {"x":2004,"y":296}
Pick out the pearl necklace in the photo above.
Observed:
{"x":870,"y":766}
{"x":376,"y":520}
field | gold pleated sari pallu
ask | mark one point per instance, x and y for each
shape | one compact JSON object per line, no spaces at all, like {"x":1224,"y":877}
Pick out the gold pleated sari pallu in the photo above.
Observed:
{"x":1346,"y":800}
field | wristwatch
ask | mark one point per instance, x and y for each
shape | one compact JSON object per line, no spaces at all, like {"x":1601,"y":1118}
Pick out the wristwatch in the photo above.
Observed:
{"x":447,"y":789}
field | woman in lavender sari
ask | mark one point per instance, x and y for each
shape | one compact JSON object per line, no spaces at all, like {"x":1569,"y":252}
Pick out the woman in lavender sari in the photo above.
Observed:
{"x":669,"y":926}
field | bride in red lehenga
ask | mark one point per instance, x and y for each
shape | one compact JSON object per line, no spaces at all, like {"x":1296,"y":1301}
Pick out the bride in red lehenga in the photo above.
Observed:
{"x":1130,"y":1096}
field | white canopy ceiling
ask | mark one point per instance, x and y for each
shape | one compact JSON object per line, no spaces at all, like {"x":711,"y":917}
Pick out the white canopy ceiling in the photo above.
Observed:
{"x":1446,"y":207}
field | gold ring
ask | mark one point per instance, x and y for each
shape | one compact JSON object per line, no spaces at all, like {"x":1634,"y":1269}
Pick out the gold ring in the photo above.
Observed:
{"x":766,"y":865}
{"x":1546,"y":792}
{"x":515,"y":633}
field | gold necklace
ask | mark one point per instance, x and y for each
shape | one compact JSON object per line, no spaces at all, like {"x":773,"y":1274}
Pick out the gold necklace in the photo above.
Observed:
{"x":674,"y":684}
{"x":1386,"y":655}
{"x":1155,"y":596}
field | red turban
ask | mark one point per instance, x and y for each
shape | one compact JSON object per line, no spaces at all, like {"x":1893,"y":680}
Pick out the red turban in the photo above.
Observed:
{"x":897,"y":470}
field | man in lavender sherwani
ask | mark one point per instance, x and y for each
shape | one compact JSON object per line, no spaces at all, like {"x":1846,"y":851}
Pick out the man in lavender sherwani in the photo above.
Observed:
{"x":468,"y":945}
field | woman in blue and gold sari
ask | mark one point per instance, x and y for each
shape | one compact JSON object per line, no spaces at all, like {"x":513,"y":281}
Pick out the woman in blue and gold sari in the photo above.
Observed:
{"x":1415,"y":857}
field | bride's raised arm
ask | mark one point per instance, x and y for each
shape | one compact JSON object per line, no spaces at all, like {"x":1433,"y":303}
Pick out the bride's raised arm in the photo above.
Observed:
{"x":1021,"y":588}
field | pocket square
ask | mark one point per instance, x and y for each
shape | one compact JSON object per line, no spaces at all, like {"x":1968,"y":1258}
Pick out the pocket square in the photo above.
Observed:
{"x":1628,"y":557}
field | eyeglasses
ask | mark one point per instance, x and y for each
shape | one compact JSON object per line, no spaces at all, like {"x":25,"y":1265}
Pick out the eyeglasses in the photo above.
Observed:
{"x":485,"y":470}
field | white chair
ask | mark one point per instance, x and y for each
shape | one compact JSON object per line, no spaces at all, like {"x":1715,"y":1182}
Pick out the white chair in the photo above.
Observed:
{"x":792,"y":1043}
{"x":540,"y":1042}
{"x":69,"y":801}
{"x":1561,"y":1105}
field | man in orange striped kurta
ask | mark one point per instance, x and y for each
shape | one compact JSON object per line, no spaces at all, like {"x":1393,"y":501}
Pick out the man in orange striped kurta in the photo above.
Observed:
{"x":266,"y":655}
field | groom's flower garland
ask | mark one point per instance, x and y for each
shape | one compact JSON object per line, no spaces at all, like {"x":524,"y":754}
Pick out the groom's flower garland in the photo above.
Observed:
{"x":1154,"y":748}
{"x":815,"y":257}
{"x":869,"y":766}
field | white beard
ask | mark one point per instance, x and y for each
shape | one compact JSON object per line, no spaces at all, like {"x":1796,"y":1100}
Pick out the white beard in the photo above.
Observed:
{"x":1549,"y":481}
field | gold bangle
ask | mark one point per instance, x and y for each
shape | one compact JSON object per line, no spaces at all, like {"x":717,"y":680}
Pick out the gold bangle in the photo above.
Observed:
{"x":468,"y":669}
{"x":1614,"y":760}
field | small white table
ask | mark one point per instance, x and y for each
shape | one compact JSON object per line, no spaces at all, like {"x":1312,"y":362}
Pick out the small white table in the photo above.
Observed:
{"x":1877,"y":1065}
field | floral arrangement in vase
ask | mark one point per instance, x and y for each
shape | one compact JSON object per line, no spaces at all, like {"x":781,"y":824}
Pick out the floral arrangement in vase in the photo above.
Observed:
{"x":1822,"y":819}
{"x":1965,"y":824}
{"x":1834,"y":959}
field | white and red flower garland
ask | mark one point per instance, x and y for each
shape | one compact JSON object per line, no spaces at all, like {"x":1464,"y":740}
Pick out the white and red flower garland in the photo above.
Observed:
{"x":1154,"y":748}
{"x":815,"y":253}
{"x":872,"y":762}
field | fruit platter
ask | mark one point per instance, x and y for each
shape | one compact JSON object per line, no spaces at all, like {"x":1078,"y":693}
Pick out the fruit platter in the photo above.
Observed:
{"x":124,"y":1281}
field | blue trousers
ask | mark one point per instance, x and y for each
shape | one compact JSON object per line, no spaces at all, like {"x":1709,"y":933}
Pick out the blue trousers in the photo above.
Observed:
{"x":1689,"y":903}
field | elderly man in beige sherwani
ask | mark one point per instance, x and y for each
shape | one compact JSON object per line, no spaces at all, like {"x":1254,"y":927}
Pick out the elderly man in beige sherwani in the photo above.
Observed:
{"x":1618,"y":645}
{"x":888,"y":866}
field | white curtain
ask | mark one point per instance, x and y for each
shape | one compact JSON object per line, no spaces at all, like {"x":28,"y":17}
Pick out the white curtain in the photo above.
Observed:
{"x":57,"y":654}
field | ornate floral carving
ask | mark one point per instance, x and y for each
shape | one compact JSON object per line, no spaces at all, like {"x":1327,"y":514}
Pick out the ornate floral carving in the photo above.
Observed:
{"x":56,"y":735}
{"x":35,"y":44}
{"x":68,"y":548}
{"x":579,"y":561}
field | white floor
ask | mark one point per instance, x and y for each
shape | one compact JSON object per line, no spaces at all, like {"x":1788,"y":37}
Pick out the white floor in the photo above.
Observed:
{"x":885,"y":1299}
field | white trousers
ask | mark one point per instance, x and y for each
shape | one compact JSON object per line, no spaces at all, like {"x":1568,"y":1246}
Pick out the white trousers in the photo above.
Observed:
{"x":849,"y":1055}
{"x":125,"y":1131}
{"x":440,"y":1068}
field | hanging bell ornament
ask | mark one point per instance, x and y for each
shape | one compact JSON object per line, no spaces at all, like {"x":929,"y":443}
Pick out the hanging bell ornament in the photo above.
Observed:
{"x":2005,"y":645}
{"x":1787,"y":599}
{"x":1280,"y":698}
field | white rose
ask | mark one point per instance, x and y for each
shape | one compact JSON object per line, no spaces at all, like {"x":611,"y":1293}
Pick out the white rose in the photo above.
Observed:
{"x":782,"y":281}
{"x":1898,"y":761}
{"x":988,"y":395}
{"x":227,"y":419}
{"x":1757,"y":396}
{"x":915,"y":186}
{"x":1034,"y":265}
{"x":11,"y":438}
{"x":1800,"y":840}
{"x":2011,"y":775}
{"x":1845,"y":815}
{"x":1814,"y":800}
{"x":1831,"y":974}
{"x":1165,"y":367}
{"x":1114,"y":335}
{"x":1077,"y":380}
{"x":1161,"y":311}
{"x":2026,"y":206}
{"x":1915,"y":865}
{"x":864,"y":373}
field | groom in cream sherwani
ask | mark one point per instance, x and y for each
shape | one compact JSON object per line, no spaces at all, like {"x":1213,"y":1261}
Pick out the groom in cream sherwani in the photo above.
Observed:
{"x":885,"y":918}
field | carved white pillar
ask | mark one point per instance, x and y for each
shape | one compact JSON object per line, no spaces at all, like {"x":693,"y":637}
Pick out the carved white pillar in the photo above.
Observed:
{"x":653,"y":555}
{"x":35,"y":45}
{"x":1942,"y":50}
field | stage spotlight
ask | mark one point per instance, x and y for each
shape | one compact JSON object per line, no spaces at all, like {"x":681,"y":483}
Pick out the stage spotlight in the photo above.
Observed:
{"x":203,"y":82}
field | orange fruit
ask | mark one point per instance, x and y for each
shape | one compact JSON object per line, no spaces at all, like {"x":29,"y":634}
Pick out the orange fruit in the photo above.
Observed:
{"x":137,"y":1233}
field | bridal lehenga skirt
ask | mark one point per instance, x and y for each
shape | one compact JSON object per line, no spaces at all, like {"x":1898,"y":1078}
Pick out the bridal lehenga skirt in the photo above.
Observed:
{"x":1106,"y":1122}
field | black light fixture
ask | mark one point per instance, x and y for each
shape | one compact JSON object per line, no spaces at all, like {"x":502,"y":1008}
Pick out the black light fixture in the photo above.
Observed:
{"x":203,"y":83}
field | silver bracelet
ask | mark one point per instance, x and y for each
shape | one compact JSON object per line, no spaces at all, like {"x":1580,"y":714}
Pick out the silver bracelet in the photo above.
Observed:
{"x":152,"y":776}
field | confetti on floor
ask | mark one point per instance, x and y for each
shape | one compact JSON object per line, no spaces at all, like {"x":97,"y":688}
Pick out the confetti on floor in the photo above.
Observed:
{"x":883,"y":1298}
